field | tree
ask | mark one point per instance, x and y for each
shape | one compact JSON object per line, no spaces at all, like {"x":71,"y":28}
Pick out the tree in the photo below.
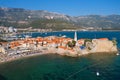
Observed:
{"x":87,"y":40}
{"x":71,"y":44}
{"x":114,"y":41}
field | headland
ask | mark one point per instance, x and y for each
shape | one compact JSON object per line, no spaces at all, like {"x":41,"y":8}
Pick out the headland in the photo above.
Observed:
{"x":55,"y":45}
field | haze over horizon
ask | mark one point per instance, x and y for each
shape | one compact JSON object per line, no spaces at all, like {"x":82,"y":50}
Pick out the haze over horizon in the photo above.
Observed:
{"x":68,"y":7}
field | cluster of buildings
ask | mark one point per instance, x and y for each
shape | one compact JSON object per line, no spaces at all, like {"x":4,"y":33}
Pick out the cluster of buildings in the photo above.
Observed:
{"x":65,"y":46}
{"x":7,"y":29}
{"x":11,"y":29}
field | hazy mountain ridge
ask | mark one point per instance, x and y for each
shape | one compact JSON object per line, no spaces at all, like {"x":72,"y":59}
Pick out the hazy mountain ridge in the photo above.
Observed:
{"x":23,"y":14}
{"x":15,"y":15}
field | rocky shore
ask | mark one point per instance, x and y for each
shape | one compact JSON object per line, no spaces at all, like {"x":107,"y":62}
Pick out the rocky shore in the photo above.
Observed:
{"x":55,"y":45}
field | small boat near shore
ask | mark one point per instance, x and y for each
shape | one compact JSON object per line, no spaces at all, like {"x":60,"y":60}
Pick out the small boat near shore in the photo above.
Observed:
{"x":64,"y":36}
{"x":27,"y":36}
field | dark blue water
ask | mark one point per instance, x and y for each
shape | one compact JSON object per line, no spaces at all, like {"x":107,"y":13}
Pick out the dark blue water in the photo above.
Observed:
{"x":55,"y":67}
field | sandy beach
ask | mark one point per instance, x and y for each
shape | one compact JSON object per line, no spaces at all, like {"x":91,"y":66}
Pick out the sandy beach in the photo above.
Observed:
{"x":9,"y":58}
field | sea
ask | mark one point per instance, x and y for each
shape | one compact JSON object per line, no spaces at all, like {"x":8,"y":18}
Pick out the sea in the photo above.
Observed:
{"x":97,"y":66}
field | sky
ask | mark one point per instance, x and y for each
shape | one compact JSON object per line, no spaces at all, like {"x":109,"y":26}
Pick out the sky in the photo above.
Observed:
{"x":68,"y":7}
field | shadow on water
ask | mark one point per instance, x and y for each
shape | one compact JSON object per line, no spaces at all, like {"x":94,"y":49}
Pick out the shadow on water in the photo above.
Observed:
{"x":2,"y":77}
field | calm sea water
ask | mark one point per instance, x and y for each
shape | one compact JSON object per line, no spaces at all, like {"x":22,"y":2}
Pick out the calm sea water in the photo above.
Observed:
{"x":55,"y":67}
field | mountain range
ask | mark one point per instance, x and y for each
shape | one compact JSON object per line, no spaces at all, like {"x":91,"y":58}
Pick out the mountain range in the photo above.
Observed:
{"x":19,"y":17}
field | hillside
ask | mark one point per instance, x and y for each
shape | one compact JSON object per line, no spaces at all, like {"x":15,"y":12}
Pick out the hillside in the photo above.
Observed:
{"x":19,"y":17}
{"x":110,"y":21}
{"x":52,"y":24}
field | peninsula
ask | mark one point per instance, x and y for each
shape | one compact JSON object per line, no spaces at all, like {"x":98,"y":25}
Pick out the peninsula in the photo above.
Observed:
{"x":55,"y":45}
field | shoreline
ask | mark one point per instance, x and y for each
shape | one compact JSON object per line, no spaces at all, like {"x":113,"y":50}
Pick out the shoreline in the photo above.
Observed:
{"x":72,"y":31}
{"x":53,"y":44}
{"x":39,"y":54}
{"x":22,"y":57}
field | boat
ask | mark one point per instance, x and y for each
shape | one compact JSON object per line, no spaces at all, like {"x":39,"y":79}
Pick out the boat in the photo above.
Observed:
{"x":97,"y":73}
{"x":27,"y":36}
{"x":60,"y":35}
{"x":64,"y":36}
{"x":46,"y":33}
